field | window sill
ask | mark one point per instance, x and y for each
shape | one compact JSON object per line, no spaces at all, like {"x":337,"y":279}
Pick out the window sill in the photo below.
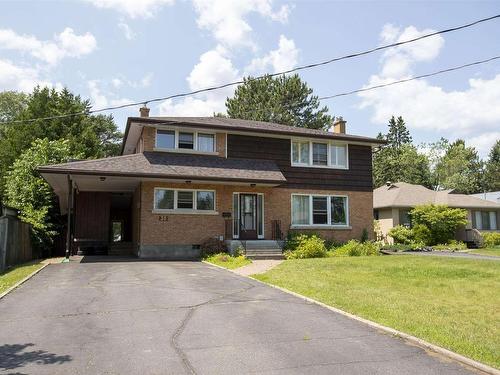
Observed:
{"x":185,"y":151}
{"x":318,"y":166}
{"x":336,"y":227}
{"x":184,"y":212}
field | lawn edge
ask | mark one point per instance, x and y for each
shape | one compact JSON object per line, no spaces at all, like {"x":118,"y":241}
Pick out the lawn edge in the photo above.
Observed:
{"x":19,"y":283}
{"x":414,"y":340}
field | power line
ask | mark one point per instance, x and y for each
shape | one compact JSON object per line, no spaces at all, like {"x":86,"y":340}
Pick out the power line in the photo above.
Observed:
{"x":299,"y":68}
{"x":410,"y":79}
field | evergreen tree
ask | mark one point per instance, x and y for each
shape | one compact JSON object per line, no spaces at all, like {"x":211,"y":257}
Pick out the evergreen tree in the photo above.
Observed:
{"x":283,"y":100}
{"x":491,"y":181}
{"x":399,"y":160}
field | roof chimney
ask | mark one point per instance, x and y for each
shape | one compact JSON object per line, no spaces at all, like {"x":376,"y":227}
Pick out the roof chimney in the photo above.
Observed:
{"x":339,"y":125}
{"x":144,"y":110}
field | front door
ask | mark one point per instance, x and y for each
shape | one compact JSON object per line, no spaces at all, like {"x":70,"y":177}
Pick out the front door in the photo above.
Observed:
{"x":248,"y":216}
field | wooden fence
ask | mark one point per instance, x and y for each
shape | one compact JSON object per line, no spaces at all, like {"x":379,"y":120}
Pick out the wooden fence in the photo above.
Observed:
{"x":15,"y":242}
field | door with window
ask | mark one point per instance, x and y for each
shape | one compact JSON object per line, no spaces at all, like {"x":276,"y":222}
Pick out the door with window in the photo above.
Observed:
{"x":248,"y":216}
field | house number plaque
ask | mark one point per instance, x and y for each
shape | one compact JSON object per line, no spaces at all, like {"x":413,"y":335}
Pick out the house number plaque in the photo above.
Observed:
{"x":162,"y":218}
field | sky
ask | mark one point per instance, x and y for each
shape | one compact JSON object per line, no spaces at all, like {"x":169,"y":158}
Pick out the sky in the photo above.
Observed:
{"x":119,"y":51}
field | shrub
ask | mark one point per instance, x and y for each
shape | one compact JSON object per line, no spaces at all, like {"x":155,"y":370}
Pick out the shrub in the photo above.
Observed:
{"x":491,"y":239}
{"x":401,"y":234}
{"x":421,"y":234}
{"x":441,"y":220}
{"x":452,"y":245}
{"x":213,"y":246}
{"x":364,"y":235}
{"x":307,"y":247}
{"x":355,"y":248}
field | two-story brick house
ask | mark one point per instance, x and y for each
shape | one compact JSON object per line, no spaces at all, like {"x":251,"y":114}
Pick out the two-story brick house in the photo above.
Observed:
{"x":182,"y":180}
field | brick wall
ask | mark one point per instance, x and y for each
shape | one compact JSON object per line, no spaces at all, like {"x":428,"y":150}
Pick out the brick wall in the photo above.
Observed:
{"x":185,"y":229}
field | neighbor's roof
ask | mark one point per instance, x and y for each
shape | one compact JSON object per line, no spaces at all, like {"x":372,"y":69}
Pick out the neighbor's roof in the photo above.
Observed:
{"x":231,"y":124}
{"x":402,"y":194}
{"x":174,"y":166}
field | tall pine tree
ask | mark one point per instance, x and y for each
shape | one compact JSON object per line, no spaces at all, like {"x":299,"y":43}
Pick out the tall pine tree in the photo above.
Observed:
{"x":399,"y":160}
{"x":284,"y":100}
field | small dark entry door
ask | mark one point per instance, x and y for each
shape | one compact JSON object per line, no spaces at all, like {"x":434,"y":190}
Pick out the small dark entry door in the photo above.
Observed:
{"x":248,"y":216}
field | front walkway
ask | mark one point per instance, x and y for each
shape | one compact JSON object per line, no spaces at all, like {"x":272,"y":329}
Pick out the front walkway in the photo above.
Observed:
{"x":127,"y":317}
{"x":257,"y":266}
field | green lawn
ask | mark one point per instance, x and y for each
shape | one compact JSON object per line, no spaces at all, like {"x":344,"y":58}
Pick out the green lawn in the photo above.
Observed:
{"x":454,"y":303}
{"x":227,"y":261}
{"x":12,"y":276}
{"x":495,"y":251}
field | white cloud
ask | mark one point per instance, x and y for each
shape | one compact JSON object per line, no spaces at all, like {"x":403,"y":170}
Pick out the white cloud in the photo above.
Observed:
{"x":225,"y":19}
{"x":65,"y":44}
{"x":101,"y":100}
{"x":213,"y":68}
{"x":133,"y":8}
{"x":472,"y":113}
{"x":13,"y":77}
{"x":127,"y":31}
{"x":285,"y":57}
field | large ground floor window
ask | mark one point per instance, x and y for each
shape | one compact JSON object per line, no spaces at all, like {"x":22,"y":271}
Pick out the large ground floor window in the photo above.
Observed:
{"x":318,"y":210}
{"x":180,"y":200}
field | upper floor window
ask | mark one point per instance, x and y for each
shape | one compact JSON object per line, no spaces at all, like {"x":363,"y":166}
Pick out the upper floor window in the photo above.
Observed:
{"x":184,"y":140}
{"x":319,"y":154}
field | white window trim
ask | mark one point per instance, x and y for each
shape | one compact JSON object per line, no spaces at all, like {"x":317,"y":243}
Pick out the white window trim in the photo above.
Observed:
{"x":259,"y":236}
{"x":177,"y":211}
{"x":329,"y":151}
{"x":186,"y":150}
{"x":329,"y":213}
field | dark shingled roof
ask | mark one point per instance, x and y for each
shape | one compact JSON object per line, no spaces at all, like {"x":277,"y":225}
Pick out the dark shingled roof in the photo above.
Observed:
{"x":177,"y":166}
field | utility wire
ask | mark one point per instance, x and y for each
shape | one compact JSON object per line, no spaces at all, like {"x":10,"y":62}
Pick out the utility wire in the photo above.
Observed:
{"x":410,"y":79}
{"x":299,"y":68}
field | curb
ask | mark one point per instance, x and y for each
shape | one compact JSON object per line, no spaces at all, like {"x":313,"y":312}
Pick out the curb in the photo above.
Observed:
{"x":22,"y":281}
{"x":414,"y":340}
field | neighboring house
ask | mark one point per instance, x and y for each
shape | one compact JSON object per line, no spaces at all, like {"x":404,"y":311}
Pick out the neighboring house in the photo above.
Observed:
{"x":393,"y":202}
{"x":183,"y":180}
{"x":493,"y":196}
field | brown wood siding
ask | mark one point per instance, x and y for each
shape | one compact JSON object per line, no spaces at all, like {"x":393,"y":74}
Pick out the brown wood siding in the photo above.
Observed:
{"x":92,"y":216}
{"x":358,"y":177}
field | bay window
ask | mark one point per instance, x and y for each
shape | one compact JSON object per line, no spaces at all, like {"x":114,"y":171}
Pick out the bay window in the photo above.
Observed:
{"x":173,"y":200}
{"x":320,"y":210}
{"x":327,"y":154}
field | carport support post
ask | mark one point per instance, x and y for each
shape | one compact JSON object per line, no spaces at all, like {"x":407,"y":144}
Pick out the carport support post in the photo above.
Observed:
{"x":68,"y":229}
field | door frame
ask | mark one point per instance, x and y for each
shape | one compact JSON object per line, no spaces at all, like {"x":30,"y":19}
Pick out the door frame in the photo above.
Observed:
{"x":236,"y":214}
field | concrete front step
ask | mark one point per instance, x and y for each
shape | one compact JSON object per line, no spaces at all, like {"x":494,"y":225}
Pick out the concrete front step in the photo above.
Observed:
{"x":263,"y":251}
{"x":276,"y":256}
{"x":262,"y":244}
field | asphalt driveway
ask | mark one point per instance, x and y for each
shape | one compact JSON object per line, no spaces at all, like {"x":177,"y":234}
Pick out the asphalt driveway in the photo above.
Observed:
{"x":183,"y":318}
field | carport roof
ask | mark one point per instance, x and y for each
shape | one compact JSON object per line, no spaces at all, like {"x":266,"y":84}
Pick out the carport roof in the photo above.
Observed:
{"x":174,"y":166}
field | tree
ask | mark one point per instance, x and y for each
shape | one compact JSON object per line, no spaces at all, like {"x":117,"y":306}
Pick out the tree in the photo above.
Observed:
{"x":458,"y":169}
{"x":398,"y":134}
{"x":91,"y":136}
{"x":399,"y":160}
{"x":441,"y":220}
{"x":11,"y":104}
{"x":27,"y":191}
{"x":283,"y":99}
{"x":491,"y":179}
